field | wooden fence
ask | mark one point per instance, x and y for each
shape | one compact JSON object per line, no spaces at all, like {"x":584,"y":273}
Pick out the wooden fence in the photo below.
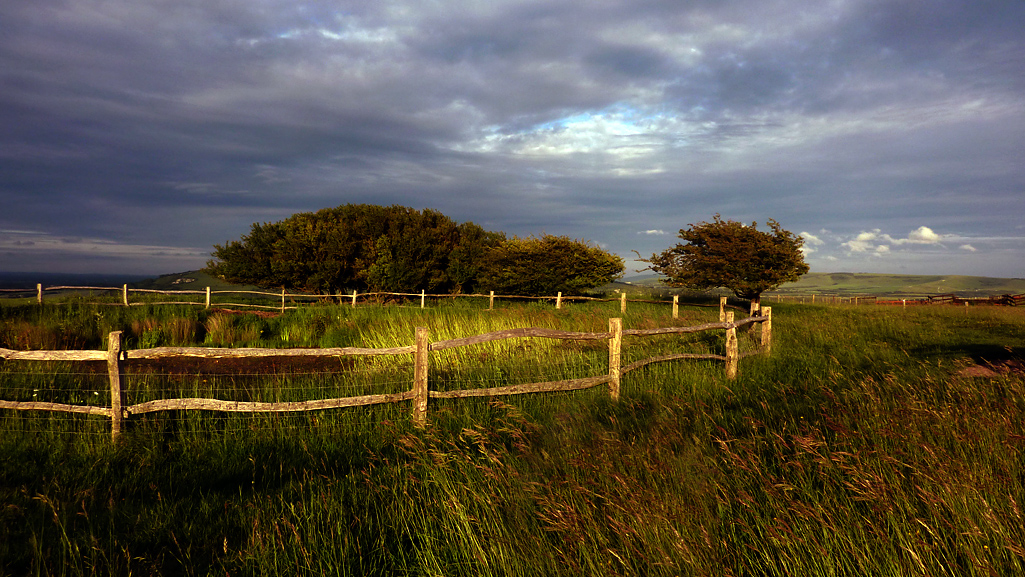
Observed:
{"x":944,"y":299}
{"x":116,"y":357}
{"x":288,"y":301}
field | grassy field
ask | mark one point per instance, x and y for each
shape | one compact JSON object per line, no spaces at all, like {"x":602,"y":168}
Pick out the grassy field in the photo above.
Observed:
{"x":847,"y":284}
{"x":192,"y":280}
{"x":862,"y":446}
{"x":884,"y":285}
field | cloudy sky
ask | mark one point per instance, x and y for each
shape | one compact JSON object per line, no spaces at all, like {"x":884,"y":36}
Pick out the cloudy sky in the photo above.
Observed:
{"x":136,"y":134}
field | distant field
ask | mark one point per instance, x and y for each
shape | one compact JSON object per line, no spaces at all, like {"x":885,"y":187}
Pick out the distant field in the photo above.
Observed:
{"x":868,"y":284}
{"x":841,"y":284}
{"x":893,"y":284}
{"x":191,"y":280}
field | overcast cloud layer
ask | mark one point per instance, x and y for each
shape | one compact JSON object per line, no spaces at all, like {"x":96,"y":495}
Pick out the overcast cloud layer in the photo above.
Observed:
{"x":135,"y":135}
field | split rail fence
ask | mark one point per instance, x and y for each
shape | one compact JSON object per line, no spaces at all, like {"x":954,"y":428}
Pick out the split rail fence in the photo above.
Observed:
{"x":289,"y":301}
{"x":116,"y":357}
{"x":944,"y":299}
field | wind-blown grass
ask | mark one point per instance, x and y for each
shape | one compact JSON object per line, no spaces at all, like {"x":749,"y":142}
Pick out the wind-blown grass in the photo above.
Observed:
{"x":858,"y":448}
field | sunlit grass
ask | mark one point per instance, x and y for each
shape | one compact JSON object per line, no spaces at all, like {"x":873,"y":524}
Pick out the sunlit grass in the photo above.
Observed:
{"x":857,"y":448}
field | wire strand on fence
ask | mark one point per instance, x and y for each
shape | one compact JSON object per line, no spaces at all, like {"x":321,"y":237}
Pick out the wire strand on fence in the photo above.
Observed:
{"x":572,"y":371}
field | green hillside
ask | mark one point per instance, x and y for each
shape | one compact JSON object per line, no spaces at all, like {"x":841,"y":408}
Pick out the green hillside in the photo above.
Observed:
{"x":849,"y":284}
{"x":868,"y":284}
{"x":190,"y":280}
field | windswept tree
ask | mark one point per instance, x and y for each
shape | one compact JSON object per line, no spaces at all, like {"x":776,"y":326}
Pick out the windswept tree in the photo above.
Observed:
{"x":732,"y":255}
{"x":547,"y":265}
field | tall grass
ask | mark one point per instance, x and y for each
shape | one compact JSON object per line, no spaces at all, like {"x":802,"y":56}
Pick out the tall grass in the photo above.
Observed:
{"x":858,"y":448}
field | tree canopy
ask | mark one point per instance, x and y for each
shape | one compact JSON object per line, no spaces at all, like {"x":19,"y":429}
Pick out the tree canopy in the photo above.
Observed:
{"x":400,"y":249}
{"x":547,"y":265}
{"x":357,"y":246}
{"x":732,"y":255}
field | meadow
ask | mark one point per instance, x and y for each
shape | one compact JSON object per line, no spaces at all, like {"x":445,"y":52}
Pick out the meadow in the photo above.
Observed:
{"x":862,"y":446}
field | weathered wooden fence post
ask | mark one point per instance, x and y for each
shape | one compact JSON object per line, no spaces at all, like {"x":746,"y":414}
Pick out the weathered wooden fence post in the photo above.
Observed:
{"x":354,"y":298}
{"x":767,"y":330}
{"x":732,"y":349}
{"x":755,"y":307}
{"x":491,"y":301}
{"x":615,"y":347}
{"x":39,"y":293}
{"x":282,"y":301}
{"x":420,"y":377}
{"x":207,"y":297}
{"x":558,"y":300}
{"x":116,"y":394}
{"x":124,"y":294}
{"x":722,"y":309}
{"x":622,"y":303}
{"x":423,"y":297}
{"x":676,"y":306}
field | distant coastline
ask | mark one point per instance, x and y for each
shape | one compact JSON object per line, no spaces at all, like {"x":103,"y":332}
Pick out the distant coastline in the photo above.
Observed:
{"x":26,"y":280}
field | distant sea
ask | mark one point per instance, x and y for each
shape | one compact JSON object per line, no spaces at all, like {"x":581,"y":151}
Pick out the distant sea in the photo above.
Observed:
{"x":28,"y":280}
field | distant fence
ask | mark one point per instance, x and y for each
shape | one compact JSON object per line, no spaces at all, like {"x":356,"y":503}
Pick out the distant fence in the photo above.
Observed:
{"x":116,"y":357}
{"x":944,"y":299}
{"x":290,"y":301}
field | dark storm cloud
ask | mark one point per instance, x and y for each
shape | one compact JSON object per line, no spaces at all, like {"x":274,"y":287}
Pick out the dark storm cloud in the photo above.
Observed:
{"x":148,"y":131}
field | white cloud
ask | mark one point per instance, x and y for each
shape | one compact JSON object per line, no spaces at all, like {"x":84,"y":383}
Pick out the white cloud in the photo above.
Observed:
{"x":654,"y":231}
{"x":810,"y":238}
{"x":864,"y":242}
{"x":921,"y":235}
{"x":626,"y":140}
{"x":809,"y":241}
{"x":877,"y":242}
{"x":967,"y":247}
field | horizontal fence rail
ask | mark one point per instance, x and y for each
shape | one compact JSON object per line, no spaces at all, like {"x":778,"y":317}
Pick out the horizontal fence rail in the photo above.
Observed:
{"x":290,"y":301}
{"x":419,"y":394}
{"x":913,"y":300}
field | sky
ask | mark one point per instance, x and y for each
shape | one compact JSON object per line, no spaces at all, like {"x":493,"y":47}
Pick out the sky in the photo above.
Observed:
{"x":135,"y":135}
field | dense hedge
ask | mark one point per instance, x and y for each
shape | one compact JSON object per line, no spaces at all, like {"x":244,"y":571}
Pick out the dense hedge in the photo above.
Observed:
{"x":396,"y":248}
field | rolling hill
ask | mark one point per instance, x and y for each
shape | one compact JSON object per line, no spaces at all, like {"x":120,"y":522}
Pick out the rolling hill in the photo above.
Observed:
{"x":869,"y":284}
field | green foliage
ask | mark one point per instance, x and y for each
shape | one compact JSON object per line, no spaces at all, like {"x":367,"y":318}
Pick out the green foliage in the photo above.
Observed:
{"x":357,"y":246}
{"x":732,"y":255}
{"x":548,"y":265}
{"x":399,"y":249}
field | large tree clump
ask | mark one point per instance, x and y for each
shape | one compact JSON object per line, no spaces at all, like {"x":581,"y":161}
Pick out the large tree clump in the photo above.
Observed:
{"x":548,"y":265}
{"x":732,"y":255}
{"x":357,"y":246}
{"x":400,"y":249}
